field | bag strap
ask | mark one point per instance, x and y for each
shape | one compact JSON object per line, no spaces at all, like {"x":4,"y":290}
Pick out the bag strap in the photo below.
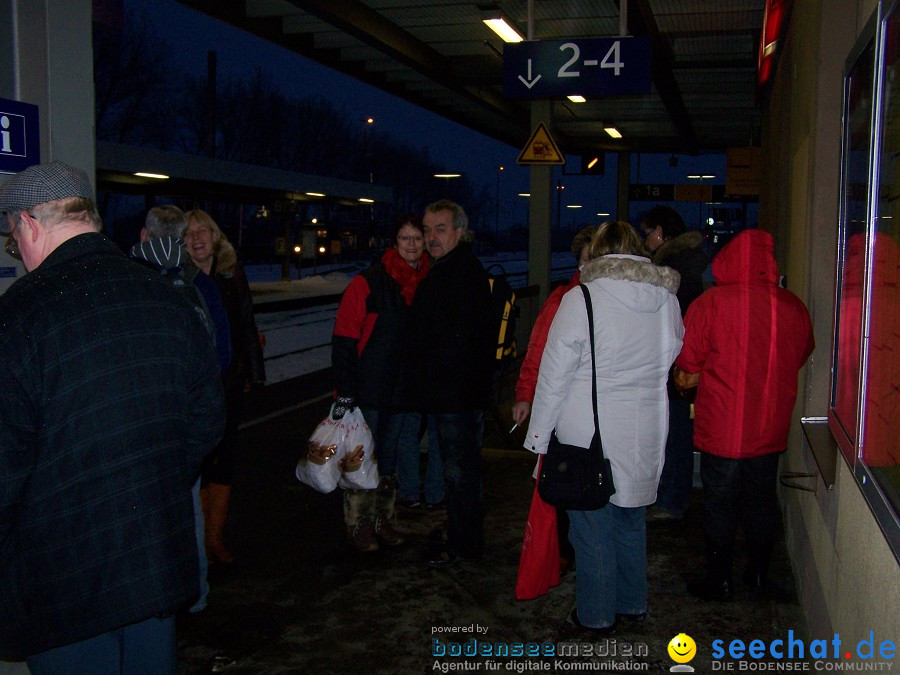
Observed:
{"x":590,"y":314}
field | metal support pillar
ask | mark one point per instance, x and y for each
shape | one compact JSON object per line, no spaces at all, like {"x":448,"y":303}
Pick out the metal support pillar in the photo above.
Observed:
{"x":539,"y":211}
{"x":623,"y":182}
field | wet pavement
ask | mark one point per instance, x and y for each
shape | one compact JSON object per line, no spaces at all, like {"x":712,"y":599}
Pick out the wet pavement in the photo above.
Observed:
{"x":299,"y":600}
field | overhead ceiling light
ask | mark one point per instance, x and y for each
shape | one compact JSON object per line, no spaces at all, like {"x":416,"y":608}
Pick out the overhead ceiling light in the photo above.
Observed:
{"x":366,"y":200}
{"x":524,"y":194}
{"x":504,"y":27}
{"x":573,"y":206}
{"x":144,"y":174}
{"x":447,"y":175}
{"x":612,"y":131}
{"x":577,"y":99}
{"x":705,"y":176}
{"x":602,"y":215}
{"x":316,"y":194}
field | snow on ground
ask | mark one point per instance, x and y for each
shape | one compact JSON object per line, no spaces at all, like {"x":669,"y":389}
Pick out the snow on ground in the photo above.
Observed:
{"x":299,"y":341}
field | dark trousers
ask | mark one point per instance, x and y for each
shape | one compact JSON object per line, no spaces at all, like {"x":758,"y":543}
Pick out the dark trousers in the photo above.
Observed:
{"x":739,"y":492}
{"x":674,"y":490}
{"x":459,"y":439}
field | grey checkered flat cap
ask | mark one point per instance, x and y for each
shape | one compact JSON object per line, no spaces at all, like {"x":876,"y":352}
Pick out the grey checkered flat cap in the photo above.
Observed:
{"x":40,"y":184}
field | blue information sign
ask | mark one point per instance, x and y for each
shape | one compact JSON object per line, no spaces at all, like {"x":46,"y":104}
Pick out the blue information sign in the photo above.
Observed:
{"x":20,"y":139}
{"x":607,"y":66}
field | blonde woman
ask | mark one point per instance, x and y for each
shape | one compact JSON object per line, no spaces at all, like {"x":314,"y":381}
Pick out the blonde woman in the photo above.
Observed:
{"x":638,"y":332}
{"x":211,"y":251}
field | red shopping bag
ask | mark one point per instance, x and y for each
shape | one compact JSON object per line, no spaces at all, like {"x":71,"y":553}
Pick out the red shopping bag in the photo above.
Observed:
{"x":539,"y":562}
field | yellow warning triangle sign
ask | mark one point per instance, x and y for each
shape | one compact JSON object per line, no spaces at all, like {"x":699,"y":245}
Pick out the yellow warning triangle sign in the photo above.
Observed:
{"x":541,"y":149}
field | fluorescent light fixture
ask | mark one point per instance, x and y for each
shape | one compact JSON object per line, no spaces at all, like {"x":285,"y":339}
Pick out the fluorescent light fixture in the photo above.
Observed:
{"x":590,"y":165}
{"x":577,"y":99}
{"x":705,"y":176}
{"x":524,"y":194}
{"x":603,"y":215}
{"x":366,"y":200}
{"x":573,"y":206}
{"x":143,"y":174}
{"x":504,"y":28}
{"x":316,"y":194}
{"x":447,"y":175}
{"x":612,"y":131}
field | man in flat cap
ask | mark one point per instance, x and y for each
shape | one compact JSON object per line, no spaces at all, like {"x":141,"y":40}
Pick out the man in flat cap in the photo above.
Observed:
{"x":111,"y":397}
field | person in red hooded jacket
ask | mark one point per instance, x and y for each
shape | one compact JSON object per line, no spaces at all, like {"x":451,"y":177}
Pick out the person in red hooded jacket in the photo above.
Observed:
{"x":528,"y":371}
{"x":744,"y":344}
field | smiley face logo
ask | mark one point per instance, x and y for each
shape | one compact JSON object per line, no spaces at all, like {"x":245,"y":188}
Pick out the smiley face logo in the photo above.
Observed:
{"x":682,"y":648}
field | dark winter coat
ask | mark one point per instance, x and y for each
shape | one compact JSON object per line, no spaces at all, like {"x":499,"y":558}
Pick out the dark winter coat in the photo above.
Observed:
{"x":367,"y":344}
{"x":247,"y":361}
{"x":111,"y":398}
{"x":685,"y":255}
{"x":168,"y":256}
{"x":449,"y":359}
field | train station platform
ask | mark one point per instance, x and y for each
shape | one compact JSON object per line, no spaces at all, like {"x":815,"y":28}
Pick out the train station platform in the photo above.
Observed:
{"x":300,"y":600}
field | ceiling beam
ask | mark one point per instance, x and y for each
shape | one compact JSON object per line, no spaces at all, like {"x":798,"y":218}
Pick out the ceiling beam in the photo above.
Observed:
{"x":371,"y":28}
{"x":642,"y":22}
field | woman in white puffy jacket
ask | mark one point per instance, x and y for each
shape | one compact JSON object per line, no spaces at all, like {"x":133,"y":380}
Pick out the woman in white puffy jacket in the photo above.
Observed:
{"x":638,"y":333}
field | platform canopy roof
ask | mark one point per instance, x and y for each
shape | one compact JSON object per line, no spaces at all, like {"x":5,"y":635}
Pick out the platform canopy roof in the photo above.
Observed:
{"x":439,"y":54}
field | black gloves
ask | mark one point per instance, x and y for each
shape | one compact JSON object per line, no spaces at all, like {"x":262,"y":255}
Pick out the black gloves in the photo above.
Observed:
{"x":342,"y":405}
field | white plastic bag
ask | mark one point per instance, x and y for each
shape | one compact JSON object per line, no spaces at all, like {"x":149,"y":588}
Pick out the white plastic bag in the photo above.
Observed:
{"x":360,"y":471}
{"x":320,"y":467}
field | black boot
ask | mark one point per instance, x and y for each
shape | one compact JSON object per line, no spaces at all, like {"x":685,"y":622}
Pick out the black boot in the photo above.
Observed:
{"x":756,"y":576}
{"x":716,"y":585}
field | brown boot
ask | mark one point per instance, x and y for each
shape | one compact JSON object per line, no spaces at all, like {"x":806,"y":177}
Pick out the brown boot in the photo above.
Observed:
{"x":215,"y":498}
{"x":359,"y":516}
{"x":386,"y":518}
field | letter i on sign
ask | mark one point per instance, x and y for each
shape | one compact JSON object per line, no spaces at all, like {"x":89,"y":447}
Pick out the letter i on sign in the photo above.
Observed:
{"x":4,"y":135}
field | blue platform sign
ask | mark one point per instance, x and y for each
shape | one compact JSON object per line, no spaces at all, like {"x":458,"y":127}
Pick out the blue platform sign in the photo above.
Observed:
{"x":20,"y":140}
{"x":608,"y":66}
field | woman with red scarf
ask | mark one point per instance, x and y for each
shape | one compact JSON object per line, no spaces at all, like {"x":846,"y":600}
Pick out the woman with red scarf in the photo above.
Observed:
{"x":366,"y":350}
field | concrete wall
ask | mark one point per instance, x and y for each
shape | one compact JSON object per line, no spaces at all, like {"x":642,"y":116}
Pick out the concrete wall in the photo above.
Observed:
{"x":846,"y":574}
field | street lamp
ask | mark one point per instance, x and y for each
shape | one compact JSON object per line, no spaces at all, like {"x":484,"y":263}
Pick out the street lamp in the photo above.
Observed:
{"x":368,"y":121}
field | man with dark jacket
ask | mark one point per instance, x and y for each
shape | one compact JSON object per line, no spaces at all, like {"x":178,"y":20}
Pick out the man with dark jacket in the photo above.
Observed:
{"x":112,"y":397}
{"x":450,"y":370}
{"x":162,"y":248}
{"x":745,"y":341}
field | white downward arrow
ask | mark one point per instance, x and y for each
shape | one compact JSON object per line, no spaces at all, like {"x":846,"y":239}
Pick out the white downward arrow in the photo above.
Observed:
{"x":529,"y":82}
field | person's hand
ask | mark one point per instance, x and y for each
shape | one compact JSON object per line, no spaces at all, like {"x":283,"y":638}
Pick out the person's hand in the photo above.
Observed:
{"x":342,"y":405}
{"x":520,"y":411}
{"x":685,"y":380}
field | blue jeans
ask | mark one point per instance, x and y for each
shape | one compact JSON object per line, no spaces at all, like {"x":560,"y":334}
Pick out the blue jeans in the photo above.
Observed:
{"x":611,"y":562}
{"x":678,"y":472}
{"x":387,"y":429}
{"x":144,"y":647}
{"x":200,"y":535}
{"x":408,"y":458}
{"x":459,"y":439}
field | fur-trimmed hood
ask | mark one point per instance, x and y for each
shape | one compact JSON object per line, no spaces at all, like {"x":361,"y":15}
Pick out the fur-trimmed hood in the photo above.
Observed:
{"x":225,"y":260}
{"x":678,"y":245}
{"x":647,"y":285}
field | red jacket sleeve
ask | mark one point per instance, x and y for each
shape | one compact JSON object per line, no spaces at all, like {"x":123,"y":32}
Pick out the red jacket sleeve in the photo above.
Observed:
{"x":352,"y":327}
{"x":528,"y":372}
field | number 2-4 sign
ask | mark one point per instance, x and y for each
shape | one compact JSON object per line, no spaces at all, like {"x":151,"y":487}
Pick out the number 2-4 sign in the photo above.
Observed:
{"x":590,"y":67}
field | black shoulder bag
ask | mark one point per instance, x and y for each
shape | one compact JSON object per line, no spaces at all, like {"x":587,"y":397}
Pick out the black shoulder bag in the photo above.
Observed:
{"x":574,"y":478}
